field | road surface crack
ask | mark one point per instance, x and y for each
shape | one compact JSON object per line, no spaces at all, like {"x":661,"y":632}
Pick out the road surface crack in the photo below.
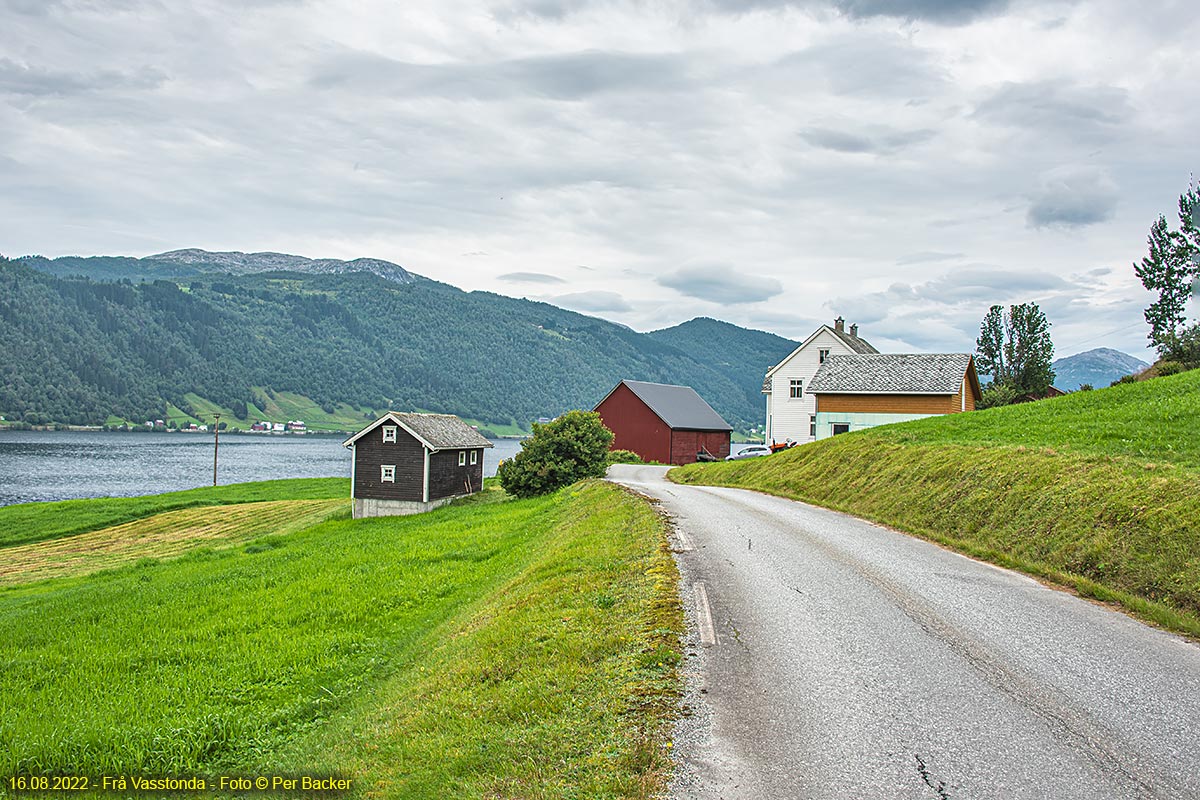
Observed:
{"x":939,"y":787}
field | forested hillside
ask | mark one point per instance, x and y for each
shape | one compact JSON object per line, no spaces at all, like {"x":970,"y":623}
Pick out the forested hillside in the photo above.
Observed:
{"x":78,"y":350}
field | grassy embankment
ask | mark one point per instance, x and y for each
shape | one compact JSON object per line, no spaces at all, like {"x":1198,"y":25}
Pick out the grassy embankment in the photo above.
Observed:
{"x":494,"y":648}
{"x":1099,"y":491}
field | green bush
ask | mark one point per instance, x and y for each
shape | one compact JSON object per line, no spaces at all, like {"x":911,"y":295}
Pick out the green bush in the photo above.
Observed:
{"x":1124,"y":379}
{"x":1165,"y":368}
{"x":997,"y":394}
{"x":624,"y":457}
{"x":569,"y":449}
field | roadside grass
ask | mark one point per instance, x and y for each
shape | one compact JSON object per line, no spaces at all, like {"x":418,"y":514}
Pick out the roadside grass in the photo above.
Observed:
{"x":25,"y":523}
{"x":1102,"y":509}
{"x":486,"y":649}
{"x":161,"y":536}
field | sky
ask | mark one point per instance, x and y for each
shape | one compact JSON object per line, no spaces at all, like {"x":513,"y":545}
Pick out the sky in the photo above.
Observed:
{"x":903,"y":164}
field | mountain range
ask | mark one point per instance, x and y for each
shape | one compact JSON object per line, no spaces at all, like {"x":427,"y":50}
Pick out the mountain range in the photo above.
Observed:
{"x":89,"y":340}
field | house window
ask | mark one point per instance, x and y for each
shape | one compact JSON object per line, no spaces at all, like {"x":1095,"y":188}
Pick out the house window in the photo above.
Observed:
{"x":474,"y":457}
{"x":797,"y":390}
{"x":462,"y":458}
{"x":839,"y":428}
{"x":822,"y":355}
{"x":387,"y":473}
{"x":389,"y":433}
{"x":812,"y":425}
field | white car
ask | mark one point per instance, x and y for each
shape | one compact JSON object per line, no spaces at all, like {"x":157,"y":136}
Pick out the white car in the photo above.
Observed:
{"x":753,"y":451}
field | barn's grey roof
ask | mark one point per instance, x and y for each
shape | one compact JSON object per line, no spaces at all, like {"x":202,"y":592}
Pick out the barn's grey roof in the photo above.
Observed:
{"x":438,"y":431}
{"x":678,"y":406}
{"x":891,"y":373}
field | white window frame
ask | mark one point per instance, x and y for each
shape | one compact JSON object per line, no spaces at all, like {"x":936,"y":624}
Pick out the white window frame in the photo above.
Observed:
{"x":812,"y":425}
{"x":462,"y":458}
{"x":387,"y":473}
{"x":793,"y":385}
{"x":474,"y":457}
{"x":822,"y":354}
{"x":389,"y":434}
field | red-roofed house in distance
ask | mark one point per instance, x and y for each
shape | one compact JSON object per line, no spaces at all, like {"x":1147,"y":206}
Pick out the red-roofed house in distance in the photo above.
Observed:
{"x":663,"y":423}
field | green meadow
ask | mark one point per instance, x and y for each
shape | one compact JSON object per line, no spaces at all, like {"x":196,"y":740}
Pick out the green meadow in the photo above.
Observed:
{"x":1098,"y":491}
{"x":491,"y":648}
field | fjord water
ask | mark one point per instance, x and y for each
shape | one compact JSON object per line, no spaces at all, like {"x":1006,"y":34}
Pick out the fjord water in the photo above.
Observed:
{"x":63,"y":465}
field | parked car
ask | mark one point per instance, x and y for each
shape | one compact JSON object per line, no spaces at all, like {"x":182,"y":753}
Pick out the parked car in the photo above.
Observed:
{"x":753,"y":451}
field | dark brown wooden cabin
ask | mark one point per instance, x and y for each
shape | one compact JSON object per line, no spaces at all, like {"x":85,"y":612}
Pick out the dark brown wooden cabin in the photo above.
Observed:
{"x":664,"y":423}
{"x":408,"y":463}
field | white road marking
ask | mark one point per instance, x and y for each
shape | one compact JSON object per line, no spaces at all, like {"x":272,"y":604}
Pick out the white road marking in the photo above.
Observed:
{"x":708,"y":635}
{"x":685,"y":544}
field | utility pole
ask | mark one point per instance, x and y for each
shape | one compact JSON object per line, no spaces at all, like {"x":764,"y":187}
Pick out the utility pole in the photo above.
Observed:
{"x":216,"y":443}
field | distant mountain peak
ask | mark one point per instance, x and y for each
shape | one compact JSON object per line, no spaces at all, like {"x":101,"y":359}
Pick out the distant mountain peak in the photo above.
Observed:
{"x":1098,"y":367}
{"x":238,"y":263}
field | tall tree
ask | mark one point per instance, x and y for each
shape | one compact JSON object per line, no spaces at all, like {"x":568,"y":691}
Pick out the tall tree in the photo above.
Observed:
{"x":989,"y":354}
{"x":1171,"y":268}
{"x":1015,"y":348}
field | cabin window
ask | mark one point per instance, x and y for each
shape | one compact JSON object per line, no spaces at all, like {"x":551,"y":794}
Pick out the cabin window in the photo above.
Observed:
{"x":840,"y":428}
{"x":462,"y":458}
{"x":822,"y":355}
{"x":797,"y":390}
{"x":812,"y":425}
{"x":474,"y":457}
{"x":389,"y":433}
{"x":387,"y":473}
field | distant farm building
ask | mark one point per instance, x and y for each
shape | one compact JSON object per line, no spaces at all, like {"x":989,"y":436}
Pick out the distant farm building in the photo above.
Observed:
{"x":861,"y":391}
{"x":664,"y":423}
{"x":409,"y":463}
{"x":791,"y":406}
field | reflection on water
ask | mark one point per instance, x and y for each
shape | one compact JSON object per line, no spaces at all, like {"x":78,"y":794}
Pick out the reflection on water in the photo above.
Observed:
{"x":37,"y":465}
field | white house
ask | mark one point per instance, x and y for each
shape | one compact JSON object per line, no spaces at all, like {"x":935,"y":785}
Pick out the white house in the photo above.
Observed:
{"x":791,"y":409}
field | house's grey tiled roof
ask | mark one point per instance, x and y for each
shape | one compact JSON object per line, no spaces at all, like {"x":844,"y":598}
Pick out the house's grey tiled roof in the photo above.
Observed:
{"x":855,"y":343}
{"x":443,"y":430}
{"x":679,"y":406}
{"x":892,"y":373}
{"x":766,"y":385}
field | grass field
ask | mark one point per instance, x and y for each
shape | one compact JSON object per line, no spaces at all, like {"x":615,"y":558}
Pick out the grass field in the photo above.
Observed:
{"x":1098,"y":490}
{"x":34,"y":522}
{"x":494,"y":648}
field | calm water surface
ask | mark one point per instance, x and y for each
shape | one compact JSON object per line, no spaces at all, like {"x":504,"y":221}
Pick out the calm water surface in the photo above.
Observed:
{"x":52,"y":465}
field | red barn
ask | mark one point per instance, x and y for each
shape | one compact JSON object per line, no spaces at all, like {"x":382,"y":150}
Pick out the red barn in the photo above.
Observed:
{"x":659,"y":422}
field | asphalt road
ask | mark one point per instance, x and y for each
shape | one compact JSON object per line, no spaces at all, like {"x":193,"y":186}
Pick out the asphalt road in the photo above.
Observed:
{"x":846,"y":660}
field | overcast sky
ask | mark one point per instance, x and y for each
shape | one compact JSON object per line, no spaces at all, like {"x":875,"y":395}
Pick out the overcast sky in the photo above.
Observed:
{"x":904,"y":164}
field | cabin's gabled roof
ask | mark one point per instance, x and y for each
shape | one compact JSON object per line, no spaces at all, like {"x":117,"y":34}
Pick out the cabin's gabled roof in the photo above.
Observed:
{"x":893,"y":373}
{"x":678,"y":406}
{"x":434,"y":431}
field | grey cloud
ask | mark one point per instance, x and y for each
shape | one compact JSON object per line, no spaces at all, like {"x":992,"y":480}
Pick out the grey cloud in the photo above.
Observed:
{"x":719,"y":284}
{"x":1091,"y":112}
{"x":26,"y":80}
{"x":927,"y":256}
{"x":881,"y":141}
{"x":868,"y":63}
{"x":563,"y":77}
{"x":530,"y":277}
{"x":950,"y":12}
{"x":592,"y":301}
{"x":1072,"y":197}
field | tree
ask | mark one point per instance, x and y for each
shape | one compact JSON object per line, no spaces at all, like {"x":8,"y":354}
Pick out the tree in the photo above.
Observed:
{"x":561,"y":452}
{"x":1171,"y":268}
{"x":1016,"y":350}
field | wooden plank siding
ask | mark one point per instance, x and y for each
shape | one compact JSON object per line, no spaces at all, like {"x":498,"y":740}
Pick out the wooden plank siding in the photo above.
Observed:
{"x":635,"y":427}
{"x":892,"y":403}
{"x":447,"y":478}
{"x":686,"y":444}
{"x":370,"y":453}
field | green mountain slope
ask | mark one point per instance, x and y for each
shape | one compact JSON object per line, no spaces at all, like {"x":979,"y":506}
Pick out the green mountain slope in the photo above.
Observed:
{"x":743,"y":356}
{"x":78,"y":350}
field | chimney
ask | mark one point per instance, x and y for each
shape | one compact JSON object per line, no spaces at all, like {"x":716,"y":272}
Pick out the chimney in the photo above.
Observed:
{"x":854,"y":330}
{"x":839,"y":324}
